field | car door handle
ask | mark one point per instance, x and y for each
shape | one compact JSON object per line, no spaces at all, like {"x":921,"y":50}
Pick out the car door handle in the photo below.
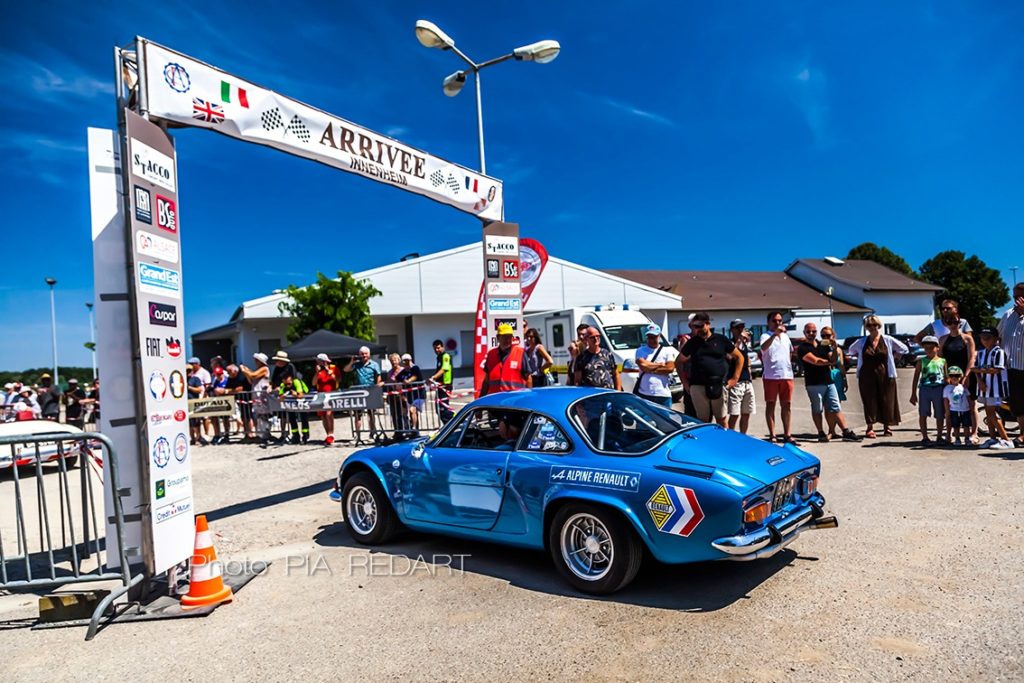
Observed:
{"x":497,"y":471}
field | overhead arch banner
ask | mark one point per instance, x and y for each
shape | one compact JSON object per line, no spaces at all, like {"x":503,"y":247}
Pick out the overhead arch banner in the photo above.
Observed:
{"x":188,"y":92}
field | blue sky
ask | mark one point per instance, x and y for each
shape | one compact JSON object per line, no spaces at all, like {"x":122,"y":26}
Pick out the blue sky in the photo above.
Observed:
{"x":666,"y":135}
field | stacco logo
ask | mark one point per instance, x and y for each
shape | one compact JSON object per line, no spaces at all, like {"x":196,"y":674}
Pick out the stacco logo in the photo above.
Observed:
{"x":151,"y":165}
{"x":166,"y":214}
{"x":159,"y":418}
{"x":159,"y":280}
{"x":496,"y":245}
{"x":164,"y":315}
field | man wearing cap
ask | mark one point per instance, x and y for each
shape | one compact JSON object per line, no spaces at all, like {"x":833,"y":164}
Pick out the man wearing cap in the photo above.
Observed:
{"x":656,"y":363}
{"x":710,"y":376}
{"x":49,"y":398}
{"x":740,"y":403}
{"x":367,"y":374}
{"x":1011,"y":332}
{"x":73,"y":413}
{"x":504,"y":366}
{"x":326,"y":380}
{"x":594,"y":366}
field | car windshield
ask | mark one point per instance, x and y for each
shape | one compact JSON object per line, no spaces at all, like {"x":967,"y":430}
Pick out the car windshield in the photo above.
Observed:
{"x":615,"y":422}
{"x":628,"y":336}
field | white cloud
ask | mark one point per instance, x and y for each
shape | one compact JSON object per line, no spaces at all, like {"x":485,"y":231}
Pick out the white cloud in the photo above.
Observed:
{"x":628,"y":108}
{"x":809,"y":91}
{"x":51,"y":82}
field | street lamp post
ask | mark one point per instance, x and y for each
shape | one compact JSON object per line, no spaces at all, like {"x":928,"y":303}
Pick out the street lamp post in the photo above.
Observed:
{"x":53,"y":328}
{"x":430,"y":35}
{"x":92,"y":338}
{"x":1013,"y":269}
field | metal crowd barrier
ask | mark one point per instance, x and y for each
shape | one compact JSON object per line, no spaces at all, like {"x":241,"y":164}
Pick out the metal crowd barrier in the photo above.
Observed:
{"x":39,"y":502}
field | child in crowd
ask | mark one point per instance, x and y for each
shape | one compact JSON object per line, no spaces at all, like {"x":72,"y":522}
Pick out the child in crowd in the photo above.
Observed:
{"x":957,"y":403}
{"x":927,"y":388}
{"x":992,"y":387}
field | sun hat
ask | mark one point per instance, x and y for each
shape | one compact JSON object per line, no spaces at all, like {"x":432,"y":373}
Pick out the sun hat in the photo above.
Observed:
{"x":261,"y":357}
{"x":45,"y":375}
{"x":406,"y":356}
{"x":323,"y":357}
{"x":282,"y":356}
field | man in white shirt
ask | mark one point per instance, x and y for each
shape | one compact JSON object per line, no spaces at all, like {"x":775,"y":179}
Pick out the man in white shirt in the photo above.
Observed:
{"x":656,"y":363}
{"x":777,"y":361}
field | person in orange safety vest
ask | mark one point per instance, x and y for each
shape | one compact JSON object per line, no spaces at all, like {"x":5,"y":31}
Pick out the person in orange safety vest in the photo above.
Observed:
{"x":504,"y":369}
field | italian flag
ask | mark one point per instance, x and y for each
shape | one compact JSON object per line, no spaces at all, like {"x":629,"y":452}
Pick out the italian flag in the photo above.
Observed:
{"x":239,"y":94}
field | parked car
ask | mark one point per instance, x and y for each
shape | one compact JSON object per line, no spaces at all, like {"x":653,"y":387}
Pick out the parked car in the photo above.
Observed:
{"x":21,"y":455}
{"x":909,"y":360}
{"x":597,"y":478}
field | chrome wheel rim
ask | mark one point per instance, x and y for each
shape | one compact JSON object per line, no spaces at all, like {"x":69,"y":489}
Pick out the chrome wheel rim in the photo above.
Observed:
{"x":361,"y":510}
{"x":587,"y":547}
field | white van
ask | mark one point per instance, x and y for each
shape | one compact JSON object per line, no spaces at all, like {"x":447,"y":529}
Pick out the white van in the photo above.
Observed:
{"x":623,"y":331}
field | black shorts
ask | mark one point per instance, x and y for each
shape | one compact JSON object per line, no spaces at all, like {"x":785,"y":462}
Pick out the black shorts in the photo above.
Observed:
{"x":959,"y":419}
{"x":1016,"y":397}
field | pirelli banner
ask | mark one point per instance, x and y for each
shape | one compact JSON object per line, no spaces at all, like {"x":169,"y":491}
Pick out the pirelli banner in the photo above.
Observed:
{"x":184,"y":91}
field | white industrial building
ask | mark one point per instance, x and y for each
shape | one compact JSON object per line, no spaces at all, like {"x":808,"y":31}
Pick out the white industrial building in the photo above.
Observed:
{"x":435,"y":296}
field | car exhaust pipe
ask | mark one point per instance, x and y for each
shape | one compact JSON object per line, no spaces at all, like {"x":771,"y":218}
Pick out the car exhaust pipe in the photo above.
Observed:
{"x":829,"y":522}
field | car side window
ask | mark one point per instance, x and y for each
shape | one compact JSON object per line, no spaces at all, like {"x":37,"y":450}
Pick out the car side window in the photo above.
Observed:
{"x":543,"y":435}
{"x":491,"y":429}
{"x":451,"y":440}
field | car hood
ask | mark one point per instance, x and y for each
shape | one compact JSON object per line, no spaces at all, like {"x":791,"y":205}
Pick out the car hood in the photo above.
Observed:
{"x":724,"y":449}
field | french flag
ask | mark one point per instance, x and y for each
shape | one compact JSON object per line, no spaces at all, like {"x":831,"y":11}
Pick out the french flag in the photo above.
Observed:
{"x":471,"y":184}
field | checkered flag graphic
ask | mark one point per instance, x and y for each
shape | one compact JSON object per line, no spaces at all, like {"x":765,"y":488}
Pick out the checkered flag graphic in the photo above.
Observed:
{"x":437,"y":178}
{"x":271,"y":119}
{"x":297,"y":128}
{"x":453,"y":184}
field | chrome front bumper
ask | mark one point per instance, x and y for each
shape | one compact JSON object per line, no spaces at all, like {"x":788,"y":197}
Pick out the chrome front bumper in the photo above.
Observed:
{"x":774,"y":537}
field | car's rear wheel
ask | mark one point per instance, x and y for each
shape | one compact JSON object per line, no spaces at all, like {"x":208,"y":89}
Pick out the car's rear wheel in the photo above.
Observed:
{"x":368,"y":513}
{"x":594,"y":549}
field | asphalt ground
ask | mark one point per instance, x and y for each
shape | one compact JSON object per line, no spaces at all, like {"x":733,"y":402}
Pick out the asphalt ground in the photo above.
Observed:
{"x":921,"y":581}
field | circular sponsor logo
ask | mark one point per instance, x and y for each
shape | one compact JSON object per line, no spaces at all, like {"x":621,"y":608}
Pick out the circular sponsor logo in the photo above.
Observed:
{"x":180,"y":448}
{"x":180,"y":415}
{"x":176,"y":77}
{"x":529,"y":265}
{"x":158,"y":385}
{"x":173,"y":347}
{"x":161,"y":452}
{"x":177,"y":384}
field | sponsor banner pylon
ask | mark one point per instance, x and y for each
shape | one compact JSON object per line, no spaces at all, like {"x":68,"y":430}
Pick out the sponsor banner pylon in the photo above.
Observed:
{"x":205,"y":587}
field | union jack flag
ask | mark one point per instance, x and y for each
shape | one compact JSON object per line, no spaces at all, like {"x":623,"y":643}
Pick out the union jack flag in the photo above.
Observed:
{"x":207,"y":111}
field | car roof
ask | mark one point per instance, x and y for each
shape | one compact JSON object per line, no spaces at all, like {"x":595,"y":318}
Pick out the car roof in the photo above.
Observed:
{"x":550,"y":400}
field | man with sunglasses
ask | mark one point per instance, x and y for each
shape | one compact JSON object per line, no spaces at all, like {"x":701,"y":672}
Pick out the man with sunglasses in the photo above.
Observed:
{"x":594,"y":366}
{"x":818,"y":360}
{"x":712,"y":354}
{"x":777,"y":360}
{"x":949,"y":316}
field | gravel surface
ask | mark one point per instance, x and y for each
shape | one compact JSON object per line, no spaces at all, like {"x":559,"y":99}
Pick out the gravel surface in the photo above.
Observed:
{"x":921,"y":581}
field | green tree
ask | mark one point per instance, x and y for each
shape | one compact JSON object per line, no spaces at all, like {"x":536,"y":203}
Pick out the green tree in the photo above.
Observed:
{"x":978,"y":289}
{"x":869,"y":251}
{"x":340,"y":305}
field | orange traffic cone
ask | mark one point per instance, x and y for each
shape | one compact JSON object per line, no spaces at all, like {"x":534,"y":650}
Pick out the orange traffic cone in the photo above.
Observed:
{"x":205,"y":587}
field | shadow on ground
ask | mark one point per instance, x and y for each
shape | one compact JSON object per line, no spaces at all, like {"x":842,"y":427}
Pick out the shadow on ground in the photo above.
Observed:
{"x":703,"y":587}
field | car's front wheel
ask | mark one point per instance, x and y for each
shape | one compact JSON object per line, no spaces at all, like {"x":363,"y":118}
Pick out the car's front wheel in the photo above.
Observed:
{"x":368,"y":513}
{"x":595,"y":549}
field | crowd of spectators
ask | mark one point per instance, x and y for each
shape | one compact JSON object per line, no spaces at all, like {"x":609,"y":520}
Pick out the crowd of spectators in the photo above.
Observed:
{"x":43,"y":400}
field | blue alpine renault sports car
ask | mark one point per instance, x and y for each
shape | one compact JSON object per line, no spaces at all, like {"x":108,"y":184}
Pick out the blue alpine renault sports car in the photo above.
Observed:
{"x":592,"y":476}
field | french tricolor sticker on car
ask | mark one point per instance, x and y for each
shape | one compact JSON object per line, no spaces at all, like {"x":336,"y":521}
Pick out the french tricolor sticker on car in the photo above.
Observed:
{"x":675,"y":510}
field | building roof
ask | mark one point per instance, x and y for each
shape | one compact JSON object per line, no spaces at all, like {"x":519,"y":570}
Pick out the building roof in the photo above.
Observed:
{"x":729,"y":290}
{"x":866,"y":275}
